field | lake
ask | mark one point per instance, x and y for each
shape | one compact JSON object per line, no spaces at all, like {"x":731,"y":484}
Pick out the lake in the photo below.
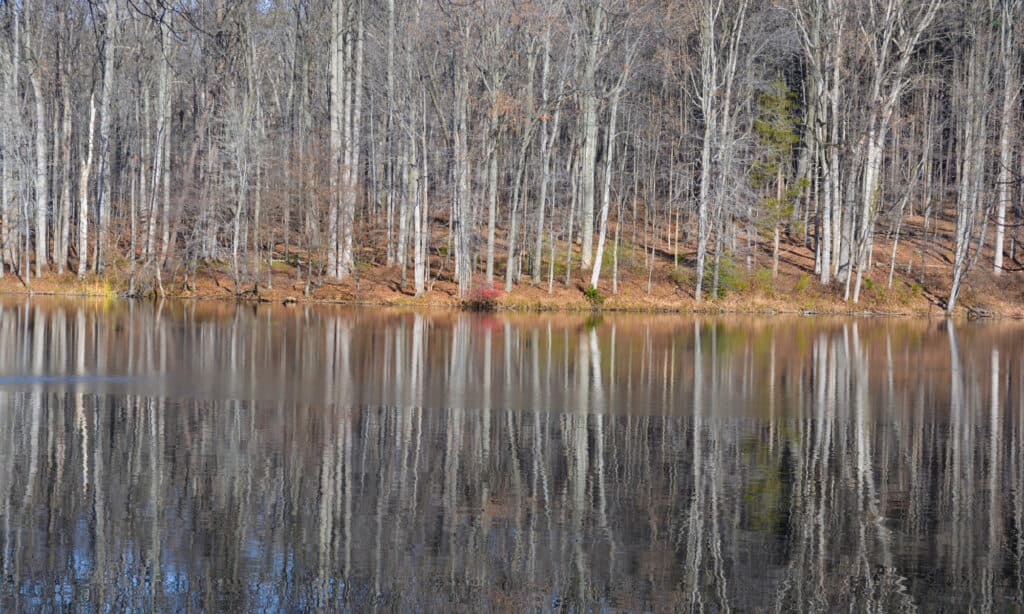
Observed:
{"x":207,"y":456}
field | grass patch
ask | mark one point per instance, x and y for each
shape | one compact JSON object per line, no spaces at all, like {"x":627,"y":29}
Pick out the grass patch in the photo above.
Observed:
{"x":731,"y":278}
{"x":545,"y":265}
{"x":628,"y":261}
{"x":281,"y":266}
{"x":682,"y":277}
{"x":593,"y":296}
{"x":763,"y":282}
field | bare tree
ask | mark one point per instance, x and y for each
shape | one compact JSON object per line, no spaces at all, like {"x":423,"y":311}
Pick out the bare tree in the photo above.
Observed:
{"x":1010,"y":18}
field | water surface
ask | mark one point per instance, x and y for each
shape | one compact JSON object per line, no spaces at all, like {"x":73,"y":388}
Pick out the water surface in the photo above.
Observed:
{"x":201,"y":456}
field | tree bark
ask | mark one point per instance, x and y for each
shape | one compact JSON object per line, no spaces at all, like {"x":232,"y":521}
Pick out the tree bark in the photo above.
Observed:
{"x":1009,"y":59}
{"x":84,"y":171}
{"x":613,"y":112}
{"x":41,"y":193}
{"x":588,"y":115}
{"x":103,"y":173}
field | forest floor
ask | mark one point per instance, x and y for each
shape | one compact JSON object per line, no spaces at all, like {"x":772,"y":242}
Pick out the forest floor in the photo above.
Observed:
{"x":920,"y":285}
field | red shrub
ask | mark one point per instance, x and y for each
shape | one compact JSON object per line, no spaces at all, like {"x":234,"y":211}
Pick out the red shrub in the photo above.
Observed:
{"x":483,"y":296}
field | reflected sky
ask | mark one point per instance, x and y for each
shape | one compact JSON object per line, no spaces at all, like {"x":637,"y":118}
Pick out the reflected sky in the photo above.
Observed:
{"x":203,"y":456}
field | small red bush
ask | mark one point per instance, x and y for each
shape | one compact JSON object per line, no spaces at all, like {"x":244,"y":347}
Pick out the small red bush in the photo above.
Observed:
{"x":483,"y":296}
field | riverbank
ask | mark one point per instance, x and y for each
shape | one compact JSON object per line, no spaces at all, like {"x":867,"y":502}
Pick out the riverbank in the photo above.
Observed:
{"x":666,"y":289}
{"x":919,"y":286}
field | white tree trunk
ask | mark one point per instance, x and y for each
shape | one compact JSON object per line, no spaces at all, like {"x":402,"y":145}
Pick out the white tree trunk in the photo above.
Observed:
{"x":42,"y":197}
{"x":389,"y":138}
{"x":709,"y":112}
{"x":168,"y":235}
{"x":61,"y":236}
{"x":352,"y":148}
{"x":966,"y":204}
{"x":492,"y":192}
{"x":103,"y":175}
{"x":588,"y":114}
{"x":83,"y":193}
{"x":418,"y":226}
{"x":151,"y":150}
{"x":1009,"y":57}
{"x":613,"y":111}
{"x":337,"y":84}
{"x":462,"y":210}
{"x":422,"y":266}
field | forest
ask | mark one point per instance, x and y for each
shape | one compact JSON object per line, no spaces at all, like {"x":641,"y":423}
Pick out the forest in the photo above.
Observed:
{"x":508,"y":144}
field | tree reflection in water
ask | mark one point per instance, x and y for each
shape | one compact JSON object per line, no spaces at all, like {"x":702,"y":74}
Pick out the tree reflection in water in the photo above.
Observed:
{"x":191,"y":456}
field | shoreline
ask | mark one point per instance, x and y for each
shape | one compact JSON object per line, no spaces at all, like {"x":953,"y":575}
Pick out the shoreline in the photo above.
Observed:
{"x":515,"y":303}
{"x":664,"y":283}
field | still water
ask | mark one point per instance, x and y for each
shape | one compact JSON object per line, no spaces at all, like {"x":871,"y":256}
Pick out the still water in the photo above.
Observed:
{"x":196,"y":456}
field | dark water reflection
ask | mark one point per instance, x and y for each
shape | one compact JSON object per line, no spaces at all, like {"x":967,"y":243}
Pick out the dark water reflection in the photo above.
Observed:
{"x":202,"y":456}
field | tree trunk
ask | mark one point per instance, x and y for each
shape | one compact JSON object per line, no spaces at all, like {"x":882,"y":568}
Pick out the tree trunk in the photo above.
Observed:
{"x":352,"y":147}
{"x":492,"y":189}
{"x":42,"y":196}
{"x":83,"y":193}
{"x":547,"y":138}
{"x":103,"y":175}
{"x":463,"y":212}
{"x":613,"y":112}
{"x":165,"y":128}
{"x":9,"y":129}
{"x":389,"y":139}
{"x":1009,"y":57}
{"x":972,"y":122}
{"x":62,"y":233}
{"x":588,"y":115}
{"x":709,"y":112}
{"x":337,"y":85}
